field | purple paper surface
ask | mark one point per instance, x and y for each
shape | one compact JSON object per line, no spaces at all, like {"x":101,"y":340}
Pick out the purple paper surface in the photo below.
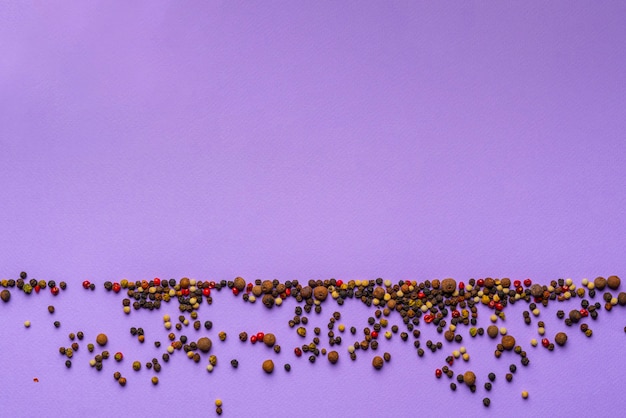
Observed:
{"x":293,"y":140}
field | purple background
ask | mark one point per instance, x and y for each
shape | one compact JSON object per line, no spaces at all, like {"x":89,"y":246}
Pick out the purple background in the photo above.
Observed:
{"x":290,"y":140}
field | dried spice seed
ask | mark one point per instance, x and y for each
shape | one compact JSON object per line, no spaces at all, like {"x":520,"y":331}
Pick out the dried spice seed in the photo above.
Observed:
{"x":268,"y":366}
{"x":560,"y":338}
{"x":378,"y":362}
{"x":101,"y":339}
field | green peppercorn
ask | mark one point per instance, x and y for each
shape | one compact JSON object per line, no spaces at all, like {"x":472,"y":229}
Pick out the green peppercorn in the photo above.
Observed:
{"x":155,"y":380}
{"x":136,"y":365}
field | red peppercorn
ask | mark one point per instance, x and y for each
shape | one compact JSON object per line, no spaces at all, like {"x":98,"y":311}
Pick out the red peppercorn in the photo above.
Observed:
{"x":480,"y":282}
{"x":37,"y":289}
{"x":157,"y":281}
{"x":288,"y":292}
{"x":259,"y":336}
{"x":527,"y":282}
{"x":519,"y":289}
{"x":86,"y":284}
{"x":492,"y":304}
{"x":516,"y":283}
{"x":374,"y":334}
{"x":438,"y":373}
{"x":54,"y":290}
{"x":545,"y":342}
{"x":421,"y":295}
{"x":235,"y":291}
{"x":461,"y":285}
{"x":584,"y":312}
{"x":211,"y":285}
{"x":565,"y":288}
{"x":116,"y":287}
{"x":456,"y":313}
{"x":499,"y":306}
{"x":206,"y":291}
{"x":339,"y":283}
{"x":185,"y":292}
{"x":253,"y":339}
{"x":297,"y":351}
{"x":249,"y":288}
{"x":429,"y":318}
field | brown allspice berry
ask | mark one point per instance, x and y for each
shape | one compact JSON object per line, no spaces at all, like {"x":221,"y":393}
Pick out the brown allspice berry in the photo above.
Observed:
{"x":379,"y":293}
{"x":269,"y":339}
{"x":184,"y":283}
{"x":306,"y":292}
{"x":508,"y":342}
{"x":239,"y":283}
{"x":102,"y":339}
{"x":320,"y":293}
{"x":575,"y":315}
{"x":599,"y":283}
{"x":613,"y":282}
{"x":333,"y":357}
{"x":378,"y":362}
{"x":469,"y":378}
{"x":204,"y":344}
{"x":492,"y":331}
{"x":560,"y":338}
{"x":621,"y":299}
{"x":268,"y":366}
{"x":448,"y":285}
{"x":5,"y":295}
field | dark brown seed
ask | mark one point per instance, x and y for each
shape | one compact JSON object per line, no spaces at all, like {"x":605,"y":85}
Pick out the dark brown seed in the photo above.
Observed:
{"x":51,"y":309}
{"x":508,"y":342}
{"x":269,"y":339}
{"x":574,"y":316}
{"x":239,"y":283}
{"x":268,"y":366}
{"x":536,"y":290}
{"x":613,"y":282}
{"x":320,"y":293}
{"x":378,"y":362}
{"x":560,"y":338}
{"x":204,"y":344}
{"x":102,"y":339}
{"x":387,"y":357}
{"x":5,"y":295}
{"x":599,"y":283}
{"x":469,"y":378}
{"x":448,"y":285}
{"x":492,"y":331}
